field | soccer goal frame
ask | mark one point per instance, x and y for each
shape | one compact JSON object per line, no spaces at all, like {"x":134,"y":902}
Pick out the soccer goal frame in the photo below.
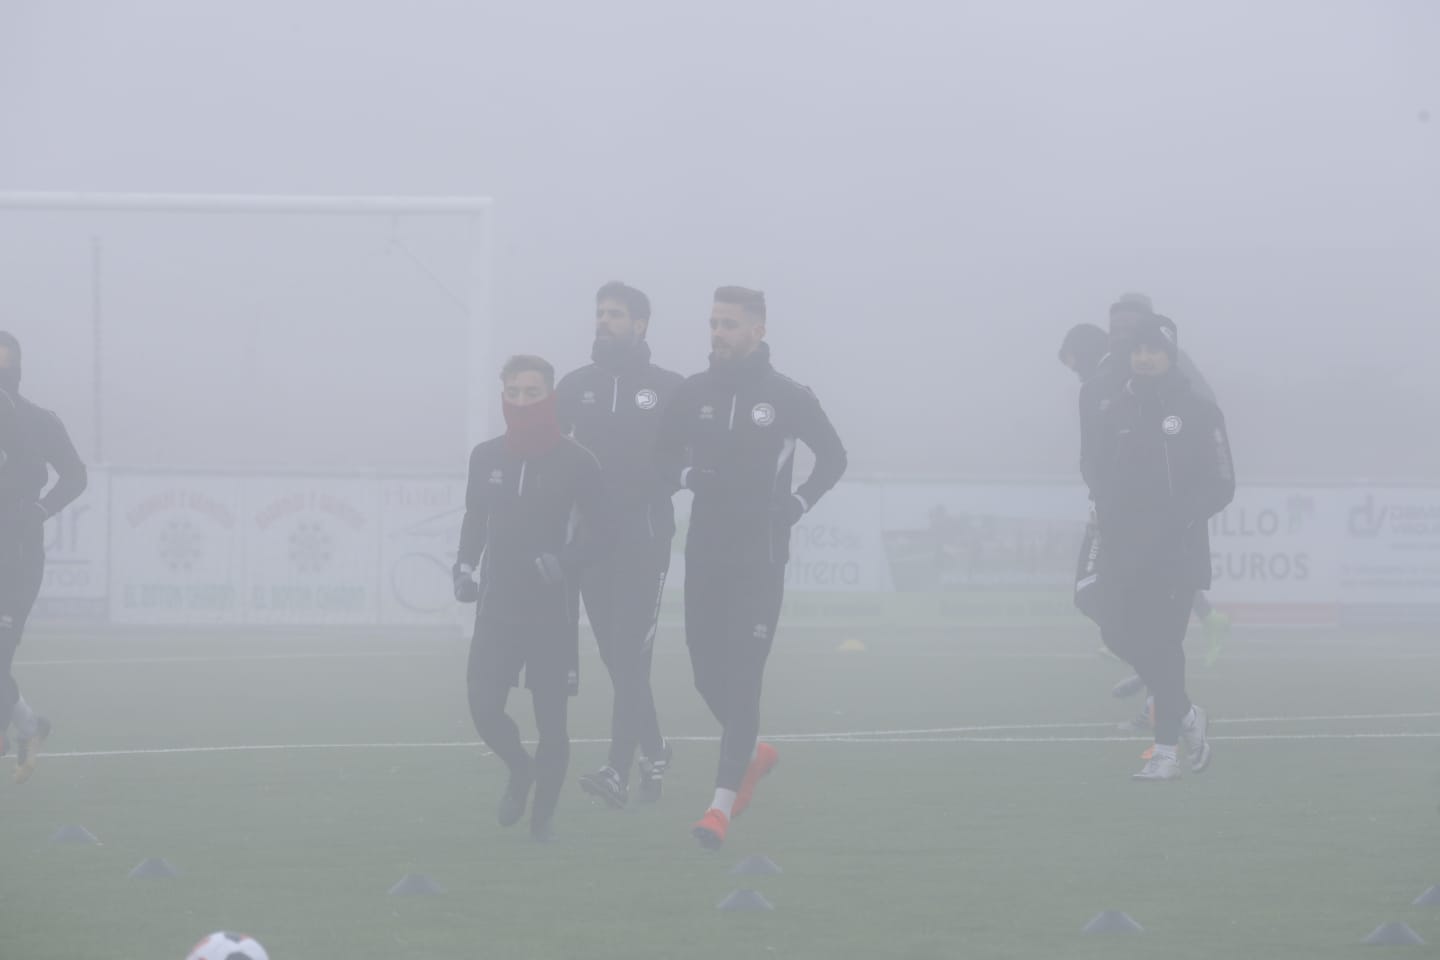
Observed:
{"x":475,"y":211}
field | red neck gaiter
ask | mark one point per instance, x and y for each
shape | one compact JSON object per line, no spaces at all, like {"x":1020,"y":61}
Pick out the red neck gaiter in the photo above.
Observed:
{"x":531,"y":430}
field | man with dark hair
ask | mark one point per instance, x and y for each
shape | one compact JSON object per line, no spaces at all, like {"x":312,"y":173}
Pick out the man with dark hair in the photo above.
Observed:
{"x":1084,"y":346}
{"x":729,"y":437}
{"x":613,"y":407}
{"x":34,"y":441}
{"x":1160,"y":468}
{"x":534,"y":521}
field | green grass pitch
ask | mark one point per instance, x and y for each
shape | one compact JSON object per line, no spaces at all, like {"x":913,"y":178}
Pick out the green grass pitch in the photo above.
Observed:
{"x":981,"y":806}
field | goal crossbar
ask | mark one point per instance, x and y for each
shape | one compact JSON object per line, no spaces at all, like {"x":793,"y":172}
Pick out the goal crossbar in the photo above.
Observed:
{"x":247,"y":203}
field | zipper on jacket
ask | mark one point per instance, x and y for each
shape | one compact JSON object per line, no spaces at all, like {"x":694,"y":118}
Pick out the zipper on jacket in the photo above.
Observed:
{"x":615,"y":397}
{"x":520,"y":492}
{"x":734,"y":402}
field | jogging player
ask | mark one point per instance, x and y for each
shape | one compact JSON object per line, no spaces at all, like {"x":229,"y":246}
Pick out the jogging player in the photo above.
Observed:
{"x":1085,"y":348}
{"x":1109,"y":378}
{"x":613,"y":408}
{"x":729,"y":437}
{"x":534,"y":519}
{"x":35,"y":441}
{"x":1160,"y":468}
{"x":1127,"y":311}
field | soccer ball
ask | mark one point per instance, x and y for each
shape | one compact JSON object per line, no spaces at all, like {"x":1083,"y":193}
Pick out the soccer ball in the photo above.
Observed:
{"x":228,"y":946}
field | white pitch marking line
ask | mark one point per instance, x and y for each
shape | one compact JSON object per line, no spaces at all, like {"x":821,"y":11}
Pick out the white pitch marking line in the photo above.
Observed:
{"x":237,"y":658}
{"x":933,"y":735}
{"x":1056,"y":740}
{"x":993,"y":728}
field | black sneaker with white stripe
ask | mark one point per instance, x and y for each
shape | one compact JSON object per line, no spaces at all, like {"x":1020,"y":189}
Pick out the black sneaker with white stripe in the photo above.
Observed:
{"x":606,"y":784}
{"x":652,"y":775}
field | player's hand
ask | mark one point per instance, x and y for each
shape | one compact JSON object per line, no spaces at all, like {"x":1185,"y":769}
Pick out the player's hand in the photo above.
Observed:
{"x":789,"y":508}
{"x":700,"y":479}
{"x":551,"y":570}
{"x":466,"y":589}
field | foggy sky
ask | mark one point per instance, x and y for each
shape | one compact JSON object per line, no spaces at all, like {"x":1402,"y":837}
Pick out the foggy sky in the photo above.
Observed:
{"x":930,"y":194}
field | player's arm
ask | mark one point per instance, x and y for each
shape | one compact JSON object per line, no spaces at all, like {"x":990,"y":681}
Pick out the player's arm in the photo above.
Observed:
{"x":815,"y":430}
{"x":9,"y":426}
{"x":1089,"y":438}
{"x":71,"y":477}
{"x":567,"y":393}
{"x":1212,"y":487}
{"x":472,"y":530}
{"x":596,"y":532}
{"x":672,"y":445}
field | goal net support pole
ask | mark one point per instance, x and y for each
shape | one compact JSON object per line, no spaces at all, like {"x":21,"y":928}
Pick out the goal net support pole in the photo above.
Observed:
{"x":475,"y":211}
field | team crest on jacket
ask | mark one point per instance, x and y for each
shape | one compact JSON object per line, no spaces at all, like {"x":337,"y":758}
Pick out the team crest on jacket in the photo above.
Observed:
{"x":588,"y":398}
{"x":763,"y":414}
{"x":646,"y":399}
{"x":1172,"y":426}
{"x":707,"y":412}
{"x":497,"y":477}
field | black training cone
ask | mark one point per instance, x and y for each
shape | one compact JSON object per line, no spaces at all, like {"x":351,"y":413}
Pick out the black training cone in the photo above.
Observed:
{"x":756,"y":866}
{"x":1112,"y":922}
{"x":745,"y":900}
{"x":1393,"y":935}
{"x":73,"y":835}
{"x":416,"y":885}
{"x":154,"y":869}
{"x":1430,"y":898}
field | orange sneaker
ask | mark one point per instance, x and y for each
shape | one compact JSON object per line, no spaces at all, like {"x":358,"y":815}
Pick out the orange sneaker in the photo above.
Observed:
{"x":711,"y":828}
{"x":766,"y":757}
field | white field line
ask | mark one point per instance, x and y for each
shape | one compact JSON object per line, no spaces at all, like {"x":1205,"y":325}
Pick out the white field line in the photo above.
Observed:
{"x":995,"y":728}
{"x":973,"y":734}
{"x":238,"y":658}
{"x":446,"y":649}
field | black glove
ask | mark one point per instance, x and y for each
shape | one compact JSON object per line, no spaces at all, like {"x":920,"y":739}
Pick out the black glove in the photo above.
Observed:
{"x":789,"y":508}
{"x":552,"y":571}
{"x":700,"y":479}
{"x":466,"y":589}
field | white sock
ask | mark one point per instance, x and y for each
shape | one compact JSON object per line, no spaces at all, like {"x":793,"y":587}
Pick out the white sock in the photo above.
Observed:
{"x":27,"y":724}
{"x":1169,"y":753}
{"x":724,"y":802}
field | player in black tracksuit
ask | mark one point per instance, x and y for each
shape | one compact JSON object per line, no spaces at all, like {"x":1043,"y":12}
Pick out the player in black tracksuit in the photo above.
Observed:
{"x":1086,"y":351}
{"x":1103,"y":374}
{"x":729,"y":436}
{"x":534,"y":520}
{"x":1159,"y":469}
{"x":613,"y":408}
{"x":33,"y":441}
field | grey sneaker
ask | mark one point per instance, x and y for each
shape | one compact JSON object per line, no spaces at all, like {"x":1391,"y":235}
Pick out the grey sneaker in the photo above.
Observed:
{"x":1142,"y":722}
{"x":1128,"y":687}
{"x":1158,"y":769}
{"x":516,"y":796}
{"x":652,"y":775}
{"x":605,"y":783}
{"x":27,"y":750}
{"x":1195,"y":734}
